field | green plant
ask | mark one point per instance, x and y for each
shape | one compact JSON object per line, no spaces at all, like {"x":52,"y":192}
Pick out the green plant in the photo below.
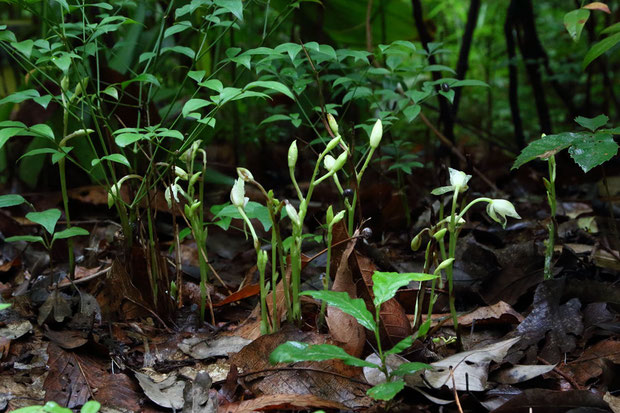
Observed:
{"x":330,"y":221}
{"x":46,"y":219}
{"x":497,"y":209}
{"x":385,"y":285}
{"x":91,"y":406}
{"x":575,"y":20}
{"x":587,"y":148}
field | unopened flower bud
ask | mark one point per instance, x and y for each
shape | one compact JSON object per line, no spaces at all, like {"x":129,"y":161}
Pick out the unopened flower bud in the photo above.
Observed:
{"x":338,"y":217}
{"x":292,"y":155}
{"x":292,"y":214}
{"x":416,"y":242}
{"x":443,"y":265}
{"x":333,"y":143}
{"x":329,"y":215}
{"x":440,"y":234}
{"x":180,"y":172}
{"x":340,"y":161}
{"x":237,"y":193}
{"x":245,"y":174}
{"x":376,"y":134}
{"x":333,"y":125}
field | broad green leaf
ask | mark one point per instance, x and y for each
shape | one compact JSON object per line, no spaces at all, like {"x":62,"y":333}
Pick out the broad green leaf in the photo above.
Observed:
{"x":468,"y":82}
{"x":386,"y":390}
{"x":177,"y":28}
{"x":47,"y":219}
{"x":8,"y":133}
{"x":611,"y":29}
{"x":194,"y":104}
{"x":590,"y":150}
{"x":233,"y":6}
{"x":212,"y":84}
{"x":146,"y":56}
{"x":181,"y":50}
{"x":27,"y":238}
{"x":574,"y":21}
{"x":355,"y":307}
{"x":411,"y":112}
{"x":402,"y":345}
{"x":546,"y":146}
{"x":592,"y":123}
{"x":42,"y":130}
{"x":70,"y":232}
{"x":170,"y":133}
{"x":295,"y":351}
{"x":63,"y":62}
{"x":7,"y":35}
{"x":43,"y":100}
{"x":41,"y":151}
{"x":271,"y":85}
{"x":91,"y":406}
{"x":410,"y":368}
{"x":115,"y":157}
{"x":24,"y":47}
{"x":21,"y":96}
{"x":385,"y":284}
{"x":11,"y":200}
{"x":600,"y":48}
{"x":438,"y":68}
{"x":4,"y":306}
{"x":292,"y":49}
{"x":197,"y":75}
{"x":111,"y":91}
{"x":128,"y":138}
{"x":252,"y":209}
{"x":144,"y":77}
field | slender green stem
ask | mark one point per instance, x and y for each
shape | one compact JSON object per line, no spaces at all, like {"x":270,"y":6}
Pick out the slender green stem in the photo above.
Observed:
{"x":451,"y":254}
{"x":327,"y":277}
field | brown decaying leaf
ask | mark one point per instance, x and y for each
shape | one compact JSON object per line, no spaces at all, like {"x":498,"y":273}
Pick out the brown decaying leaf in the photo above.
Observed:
{"x":331,"y":380}
{"x":549,"y":401}
{"x":75,"y":378}
{"x":597,"y":5}
{"x":591,"y":363}
{"x":343,"y":327}
{"x":281,"y":401}
{"x":66,"y":339}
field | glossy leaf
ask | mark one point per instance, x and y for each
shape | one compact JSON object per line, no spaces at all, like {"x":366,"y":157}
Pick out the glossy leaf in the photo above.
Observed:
{"x":353,"y":306}
{"x":386,"y":390}
{"x":47,"y":219}
{"x":574,"y":21}
{"x":385,"y":284}
{"x":27,"y":238}
{"x":402,"y":345}
{"x":410,"y":368}
{"x":295,"y":351}
{"x":233,"y":6}
{"x":115,"y":157}
{"x":24,"y":47}
{"x":271,"y":85}
{"x":590,"y":150}
{"x":128,"y":138}
{"x":11,"y":200}
{"x":194,"y":104}
{"x":70,"y":232}
{"x":600,"y":48}
{"x":545,"y":147}
{"x":21,"y":96}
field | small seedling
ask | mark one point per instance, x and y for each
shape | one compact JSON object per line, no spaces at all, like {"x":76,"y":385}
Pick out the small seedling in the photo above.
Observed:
{"x":53,"y":407}
{"x":385,"y":285}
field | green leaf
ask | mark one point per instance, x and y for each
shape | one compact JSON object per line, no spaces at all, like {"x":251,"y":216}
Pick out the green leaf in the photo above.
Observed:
{"x":111,"y":91}
{"x":292,"y":49}
{"x":295,"y":351}
{"x":385,"y":284}
{"x":128,"y":138}
{"x":91,"y":406}
{"x":177,"y":28}
{"x":386,"y":390}
{"x":4,"y":306}
{"x":438,"y":68}
{"x":252,"y":210}
{"x":600,"y":48}
{"x":592,"y":123}
{"x":41,"y":151}
{"x":43,"y":100}
{"x":402,"y":345}
{"x":115,"y":157}
{"x":63,"y":62}
{"x":11,"y":200}
{"x":170,"y":133}
{"x":271,"y":85}
{"x":144,"y":77}
{"x":8,"y":133}
{"x":21,"y":96}
{"x":590,"y":150}
{"x":212,"y":84}
{"x":546,"y":146}
{"x":355,"y":307}
{"x":181,"y":50}
{"x":42,"y":130}
{"x":47,"y":219}
{"x":574,"y":21}
{"x":7,"y":35}
{"x":70,"y":232}
{"x":24,"y":47}
{"x":410,"y":368}
{"x":469,"y":82}
{"x":275,"y":118}
{"x":411,"y":112}
{"x":194,"y":104}
{"x":197,"y":75}
{"x":612,"y":29}
{"x":233,"y":6}
{"x":27,"y":238}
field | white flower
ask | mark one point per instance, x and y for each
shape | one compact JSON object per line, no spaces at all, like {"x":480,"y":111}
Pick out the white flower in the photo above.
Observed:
{"x":180,"y":172}
{"x":292,"y":214}
{"x":292,"y":154}
{"x":329,"y":162}
{"x":499,"y":209}
{"x":459,"y":179}
{"x":237,"y":194}
{"x":376,"y":134}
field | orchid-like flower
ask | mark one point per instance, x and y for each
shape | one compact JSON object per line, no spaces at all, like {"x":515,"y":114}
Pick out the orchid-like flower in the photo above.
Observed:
{"x":329,"y":162}
{"x":376,"y":134}
{"x":458,"y":183}
{"x":180,"y":172}
{"x":499,"y":209}
{"x":292,"y":214}
{"x":237,"y":194}
{"x":170,"y":192}
{"x":245,"y":174}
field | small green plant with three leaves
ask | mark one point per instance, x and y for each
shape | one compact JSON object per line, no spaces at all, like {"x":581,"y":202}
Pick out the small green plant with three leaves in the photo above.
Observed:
{"x":47,"y":219}
{"x":385,"y":285}
{"x":588,"y":149}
